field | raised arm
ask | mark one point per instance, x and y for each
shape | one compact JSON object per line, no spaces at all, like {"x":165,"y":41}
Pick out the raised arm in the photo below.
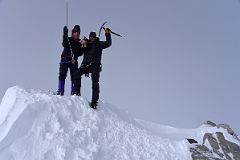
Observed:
{"x":108,"y":42}
{"x":65,"y":42}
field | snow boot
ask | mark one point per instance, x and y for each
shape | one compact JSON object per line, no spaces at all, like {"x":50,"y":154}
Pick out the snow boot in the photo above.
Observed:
{"x":94,"y":105}
{"x":76,"y":92}
{"x":72,"y":89}
{"x":61,"y":86}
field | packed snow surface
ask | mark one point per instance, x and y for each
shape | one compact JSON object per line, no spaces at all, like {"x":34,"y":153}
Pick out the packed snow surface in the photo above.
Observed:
{"x":36,"y":125}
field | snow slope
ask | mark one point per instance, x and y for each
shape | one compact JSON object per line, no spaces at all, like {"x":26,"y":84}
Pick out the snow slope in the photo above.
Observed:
{"x":35,"y":125}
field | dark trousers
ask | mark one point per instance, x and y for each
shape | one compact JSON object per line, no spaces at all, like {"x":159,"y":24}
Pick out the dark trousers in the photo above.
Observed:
{"x":64,"y":65}
{"x":95,"y":75}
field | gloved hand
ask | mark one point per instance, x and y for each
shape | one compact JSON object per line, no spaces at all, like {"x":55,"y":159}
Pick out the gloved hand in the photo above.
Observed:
{"x":65,"y":30}
{"x":83,"y":41}
{"x":107,"y":30}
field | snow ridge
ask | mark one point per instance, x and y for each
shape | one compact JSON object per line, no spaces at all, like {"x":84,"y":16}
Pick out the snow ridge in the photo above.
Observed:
{"x":40,"y":126}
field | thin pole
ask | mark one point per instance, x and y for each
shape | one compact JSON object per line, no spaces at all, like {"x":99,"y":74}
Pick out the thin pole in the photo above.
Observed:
{"x":67,"y":13}
{"x":72,"y":55}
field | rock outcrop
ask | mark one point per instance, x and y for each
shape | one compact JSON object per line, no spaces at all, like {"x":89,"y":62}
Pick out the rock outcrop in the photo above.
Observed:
{"x":215,"y":146}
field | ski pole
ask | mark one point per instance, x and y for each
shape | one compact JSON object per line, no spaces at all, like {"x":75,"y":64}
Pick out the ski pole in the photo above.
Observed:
{"x":67,"y":13}
{"x":72,"y":55}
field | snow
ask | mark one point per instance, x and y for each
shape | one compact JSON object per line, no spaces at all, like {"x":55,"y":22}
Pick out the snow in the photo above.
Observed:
{"x":178,"y":134}
{"x":36,"y":125}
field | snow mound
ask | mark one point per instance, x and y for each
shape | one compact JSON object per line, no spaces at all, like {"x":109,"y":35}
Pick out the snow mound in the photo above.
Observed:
{"x":35,"y":125}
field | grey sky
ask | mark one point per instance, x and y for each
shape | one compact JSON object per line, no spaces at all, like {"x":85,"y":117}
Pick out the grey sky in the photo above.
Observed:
{"x":178,"y":63}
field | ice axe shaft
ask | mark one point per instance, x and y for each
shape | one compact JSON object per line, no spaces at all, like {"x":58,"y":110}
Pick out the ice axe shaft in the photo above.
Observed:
{"x":113,"y":33}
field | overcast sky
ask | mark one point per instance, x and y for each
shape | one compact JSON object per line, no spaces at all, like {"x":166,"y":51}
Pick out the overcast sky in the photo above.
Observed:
{"x":177,"y":64}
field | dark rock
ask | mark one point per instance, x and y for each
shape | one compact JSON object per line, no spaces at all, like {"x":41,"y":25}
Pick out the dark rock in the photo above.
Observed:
{"x":224,"y":145}
{"x":235,"y":150}
{"x":213,"y":143}
{"x":191,"y":141}
{"x":210,"y":123}
{"x":220,"y":148}
{"x":227,"y":127}
{"x":201,"y":152}
{"x":228,"y":147}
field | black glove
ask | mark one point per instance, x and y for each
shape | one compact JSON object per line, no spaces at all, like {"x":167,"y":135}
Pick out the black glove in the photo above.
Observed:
{"x":65,"y":30}
{"x":107,"y":30}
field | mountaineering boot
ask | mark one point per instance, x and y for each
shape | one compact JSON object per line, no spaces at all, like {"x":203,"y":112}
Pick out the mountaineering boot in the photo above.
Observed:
{"x":76,"y":93}
{"x":72,"y":89}
{"x":61,"y":86}
{"x":59,"y":93}
{"x":94,"y":105}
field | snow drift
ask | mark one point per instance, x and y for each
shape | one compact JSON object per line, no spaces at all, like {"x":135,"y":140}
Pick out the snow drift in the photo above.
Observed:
{"x":35,"y":125}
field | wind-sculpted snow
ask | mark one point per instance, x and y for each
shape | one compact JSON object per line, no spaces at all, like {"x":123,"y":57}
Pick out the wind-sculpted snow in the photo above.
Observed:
{"x":35,"y":125}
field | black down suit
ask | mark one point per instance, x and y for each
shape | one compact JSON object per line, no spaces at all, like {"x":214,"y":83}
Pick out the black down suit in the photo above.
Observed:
{"x":66,"y":56}
{"x":92,"y":64}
